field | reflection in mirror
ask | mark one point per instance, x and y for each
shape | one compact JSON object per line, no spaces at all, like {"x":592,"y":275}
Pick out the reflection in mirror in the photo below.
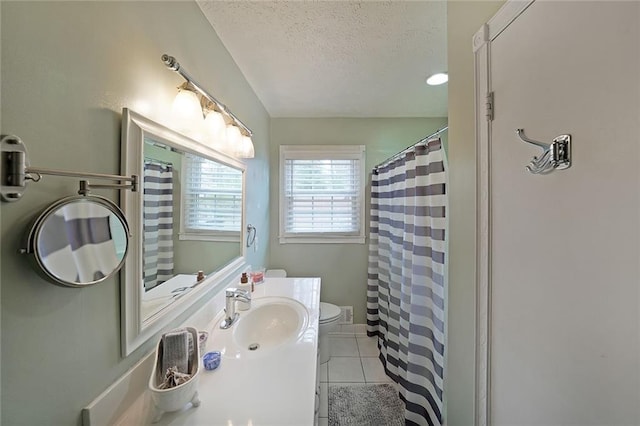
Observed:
{"x":187,"y":217}
{"x":79,"y":240}
{"x":192,"y":218}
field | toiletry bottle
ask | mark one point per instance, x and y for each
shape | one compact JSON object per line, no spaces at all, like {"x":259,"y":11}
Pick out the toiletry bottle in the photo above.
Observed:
{"x":250,"y":278}
{"x":244,"y":279}
{"x":244,"y":285}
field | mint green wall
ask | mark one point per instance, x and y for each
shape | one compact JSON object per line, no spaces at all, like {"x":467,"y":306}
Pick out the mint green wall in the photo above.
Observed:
{"x":68,"y":69}
{"x":342,"y":267}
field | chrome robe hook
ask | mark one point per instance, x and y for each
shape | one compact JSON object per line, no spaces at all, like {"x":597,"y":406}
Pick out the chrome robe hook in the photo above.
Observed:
{"x":556,"y":155}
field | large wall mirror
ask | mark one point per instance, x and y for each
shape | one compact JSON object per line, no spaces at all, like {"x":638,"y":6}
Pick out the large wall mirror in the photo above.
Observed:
{"x":187,"y":223}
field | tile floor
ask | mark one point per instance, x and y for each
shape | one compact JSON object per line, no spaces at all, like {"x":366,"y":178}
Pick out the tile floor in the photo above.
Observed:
{"x":354,"y":361}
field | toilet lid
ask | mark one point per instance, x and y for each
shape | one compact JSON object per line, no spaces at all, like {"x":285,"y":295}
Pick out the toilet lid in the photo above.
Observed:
{"x":328,"y":312}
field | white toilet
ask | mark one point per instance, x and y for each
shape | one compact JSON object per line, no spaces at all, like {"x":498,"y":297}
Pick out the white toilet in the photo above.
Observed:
{"x":329,"y":320}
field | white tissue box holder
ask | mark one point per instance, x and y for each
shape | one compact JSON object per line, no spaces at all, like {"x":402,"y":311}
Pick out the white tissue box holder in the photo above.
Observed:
{"x":176,"y":398}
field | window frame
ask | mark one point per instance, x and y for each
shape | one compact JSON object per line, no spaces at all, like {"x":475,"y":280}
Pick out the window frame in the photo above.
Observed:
{"x":322,"y":152}
{"x":193,"y":234}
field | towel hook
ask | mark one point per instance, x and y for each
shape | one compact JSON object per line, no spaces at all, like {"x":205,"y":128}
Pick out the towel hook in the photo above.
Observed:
{"x":556,"y":155}
{"x":251,"y":235}
{"x":524,"y":138}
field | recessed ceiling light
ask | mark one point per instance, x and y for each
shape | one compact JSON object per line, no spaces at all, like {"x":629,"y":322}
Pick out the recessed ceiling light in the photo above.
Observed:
{"x":437,"y":79}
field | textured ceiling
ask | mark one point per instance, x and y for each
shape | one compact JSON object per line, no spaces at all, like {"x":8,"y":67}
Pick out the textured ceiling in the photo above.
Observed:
{"x":337,"y":58}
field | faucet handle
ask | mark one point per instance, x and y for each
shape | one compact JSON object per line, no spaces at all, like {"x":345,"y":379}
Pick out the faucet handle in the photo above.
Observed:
{"x":243,"y":292}
{"x":234,"y":292}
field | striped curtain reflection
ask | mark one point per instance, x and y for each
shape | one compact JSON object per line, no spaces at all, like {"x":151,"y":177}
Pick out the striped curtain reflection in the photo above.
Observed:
{"x":405,"y":294}
{"x":158,"y":223}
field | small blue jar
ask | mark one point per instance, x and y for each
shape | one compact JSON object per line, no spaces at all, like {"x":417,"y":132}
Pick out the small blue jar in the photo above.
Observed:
{"x":211,"y":360}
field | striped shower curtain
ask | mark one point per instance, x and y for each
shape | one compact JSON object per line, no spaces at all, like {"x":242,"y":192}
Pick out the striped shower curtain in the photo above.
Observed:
{"x":406,"y":277}
{"x":157,"y":224}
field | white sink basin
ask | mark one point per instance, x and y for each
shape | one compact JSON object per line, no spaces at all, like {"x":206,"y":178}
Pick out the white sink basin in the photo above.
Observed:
{"x":271,"y":322}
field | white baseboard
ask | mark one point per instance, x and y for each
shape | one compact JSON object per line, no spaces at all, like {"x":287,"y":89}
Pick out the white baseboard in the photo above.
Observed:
{"x":350,"y":330}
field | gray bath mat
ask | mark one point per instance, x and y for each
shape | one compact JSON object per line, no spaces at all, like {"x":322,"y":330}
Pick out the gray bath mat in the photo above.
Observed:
{"x":365,"y":405}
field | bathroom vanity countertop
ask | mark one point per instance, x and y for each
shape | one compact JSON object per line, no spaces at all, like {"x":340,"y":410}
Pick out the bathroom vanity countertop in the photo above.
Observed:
{"x":275,"y":387}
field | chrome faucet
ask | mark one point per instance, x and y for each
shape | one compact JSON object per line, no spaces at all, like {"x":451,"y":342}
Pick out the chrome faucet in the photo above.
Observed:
{"x":231,"y":295}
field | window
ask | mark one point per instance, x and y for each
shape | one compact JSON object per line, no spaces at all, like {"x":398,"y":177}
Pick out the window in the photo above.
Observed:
{"x":211,"y":200}
{"x":322,"y":194}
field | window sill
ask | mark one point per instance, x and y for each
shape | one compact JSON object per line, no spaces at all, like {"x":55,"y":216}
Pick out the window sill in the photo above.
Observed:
{"x":209,"y":237}
{"x":322,"y":240}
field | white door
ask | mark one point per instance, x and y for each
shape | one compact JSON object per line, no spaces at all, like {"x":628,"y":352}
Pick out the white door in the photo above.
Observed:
{"x":563,"y":249}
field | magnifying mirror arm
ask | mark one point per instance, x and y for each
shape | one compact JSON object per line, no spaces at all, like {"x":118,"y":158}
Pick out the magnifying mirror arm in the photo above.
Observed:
{"x":132,"y":186}
{"x":16,"y":172}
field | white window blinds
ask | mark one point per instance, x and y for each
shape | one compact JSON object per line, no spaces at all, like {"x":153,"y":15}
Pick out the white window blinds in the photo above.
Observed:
{"x":212,"y":197}
{"x":322,"y":192}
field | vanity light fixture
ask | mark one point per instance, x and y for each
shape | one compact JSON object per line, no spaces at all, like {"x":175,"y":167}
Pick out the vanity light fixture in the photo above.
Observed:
{"x":437,"y":79}
{"x":186,"y":106}
{"x":234,"y":138}
{"x":235,"y":132}
{"x":215,"y":129}
{"x":186,"y":113}
{"x":246,"y":148}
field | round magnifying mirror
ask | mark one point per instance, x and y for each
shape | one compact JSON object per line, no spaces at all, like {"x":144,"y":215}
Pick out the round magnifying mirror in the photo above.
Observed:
{"x":80,"y":240}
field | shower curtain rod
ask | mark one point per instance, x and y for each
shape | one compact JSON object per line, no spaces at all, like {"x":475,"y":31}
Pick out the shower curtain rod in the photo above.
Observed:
{"x":423,"y":140}
{"x":155,"y":160}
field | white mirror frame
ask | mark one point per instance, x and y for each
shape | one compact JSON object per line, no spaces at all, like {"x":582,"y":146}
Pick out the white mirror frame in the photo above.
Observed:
{"x":135,"y":331}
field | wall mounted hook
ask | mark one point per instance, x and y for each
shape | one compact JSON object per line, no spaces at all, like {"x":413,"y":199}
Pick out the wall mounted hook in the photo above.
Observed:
{"x":251,"y":235}
{"x":556,"y":155}
{"x":524,"y":138}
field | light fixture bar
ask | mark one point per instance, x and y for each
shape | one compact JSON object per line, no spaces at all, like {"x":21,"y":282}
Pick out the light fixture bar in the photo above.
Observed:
{"x":174,"y":65}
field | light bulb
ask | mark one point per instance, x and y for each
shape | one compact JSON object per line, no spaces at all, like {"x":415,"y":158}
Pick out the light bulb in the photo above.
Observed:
{"x":437,"y":79}
{"x":186,"y":112}
{"x":234,"y":139}
{"x":245,"y":149}
{"x":216,"y":131}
